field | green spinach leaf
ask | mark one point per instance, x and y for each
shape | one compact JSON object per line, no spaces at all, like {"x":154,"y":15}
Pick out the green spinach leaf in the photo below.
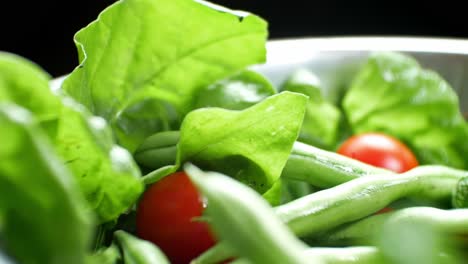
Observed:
{"x":394,"y":95}
{"x":322,"y":119}
{"x":26,"y":84}
{"x":251,"y":145}
{"x":273,"y":195}
{"x":237,"y":92}
{"x":106,"y":173}
{"x":142,"y":56}
{"x":43,"y":216}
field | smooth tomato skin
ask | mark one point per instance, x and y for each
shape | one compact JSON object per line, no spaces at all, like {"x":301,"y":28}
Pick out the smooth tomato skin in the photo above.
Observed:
{"x":379,"y":150}
{"x":165,"y":216}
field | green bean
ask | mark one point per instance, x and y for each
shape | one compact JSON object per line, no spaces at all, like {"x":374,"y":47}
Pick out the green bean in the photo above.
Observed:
{"x":361,"y":197}
{"x":323,"y":168}
{"x":158,"y":174}
{"x":241,"y":261}
{"x":109,"y":255}
{"x":460,"y":195}
{"x":367,"y":255}
{"x":360,"y":232}
{"x":445,"y":221}
{"x":361,"y":255}
{"x":318,"y":167}
{"x":158,"y":150}
{"x":136,"y":251}
{"x":216,"y":254}
{"x":347,"y":255}
{"x":292,"y":189}
{"x":245,"y":221}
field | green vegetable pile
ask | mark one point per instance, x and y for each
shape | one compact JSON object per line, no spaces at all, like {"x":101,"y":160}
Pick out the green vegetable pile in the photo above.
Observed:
{"x":164,"y":86}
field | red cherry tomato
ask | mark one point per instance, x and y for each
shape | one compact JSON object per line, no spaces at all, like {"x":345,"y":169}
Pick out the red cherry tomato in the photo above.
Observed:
{"x":166,"y":216}
{"x":379,"y":150}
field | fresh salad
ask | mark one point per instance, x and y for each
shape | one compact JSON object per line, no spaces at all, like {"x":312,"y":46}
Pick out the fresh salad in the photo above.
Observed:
{"x":164,"y":146}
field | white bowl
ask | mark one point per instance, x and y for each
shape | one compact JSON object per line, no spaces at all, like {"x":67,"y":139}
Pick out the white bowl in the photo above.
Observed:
{"x":336,"y":59}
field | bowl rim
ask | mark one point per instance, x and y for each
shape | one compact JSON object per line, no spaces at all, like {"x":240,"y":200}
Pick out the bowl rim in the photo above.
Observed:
{"x":296,"y":50}
{"x":374,"y":43}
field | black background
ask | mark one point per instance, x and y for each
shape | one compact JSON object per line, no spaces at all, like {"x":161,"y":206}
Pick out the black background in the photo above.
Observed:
{"x":43,"y":30}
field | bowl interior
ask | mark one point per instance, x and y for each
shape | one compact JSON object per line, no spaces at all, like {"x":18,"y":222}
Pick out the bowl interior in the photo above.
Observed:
{"x":336,"y":60}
